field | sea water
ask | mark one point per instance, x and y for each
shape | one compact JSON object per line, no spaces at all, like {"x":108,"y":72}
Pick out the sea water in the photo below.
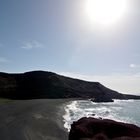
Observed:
{"x":127,"y":111}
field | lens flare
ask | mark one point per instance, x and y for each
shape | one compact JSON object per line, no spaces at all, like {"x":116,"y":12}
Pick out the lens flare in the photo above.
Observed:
{"x":105,"y":11}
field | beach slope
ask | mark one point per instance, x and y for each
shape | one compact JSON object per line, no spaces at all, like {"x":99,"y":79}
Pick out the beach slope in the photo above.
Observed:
{"x":33,"y":120}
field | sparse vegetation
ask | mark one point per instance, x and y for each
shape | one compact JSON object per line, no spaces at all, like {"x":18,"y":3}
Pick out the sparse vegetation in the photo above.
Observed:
{"x":4,"y":100}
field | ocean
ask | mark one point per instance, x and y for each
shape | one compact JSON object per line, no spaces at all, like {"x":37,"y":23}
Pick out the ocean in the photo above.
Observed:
{"x":127,"y":111}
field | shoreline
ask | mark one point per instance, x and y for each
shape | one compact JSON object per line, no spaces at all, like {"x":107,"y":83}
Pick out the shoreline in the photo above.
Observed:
{"x":38,"y":119}
{"x":113,"y":111}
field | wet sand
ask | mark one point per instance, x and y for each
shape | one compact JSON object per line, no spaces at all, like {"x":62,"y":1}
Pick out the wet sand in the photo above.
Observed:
{"x":39,"y":119}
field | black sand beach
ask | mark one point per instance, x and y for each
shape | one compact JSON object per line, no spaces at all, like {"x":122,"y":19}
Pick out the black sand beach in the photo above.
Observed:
{"x":33,"y":120}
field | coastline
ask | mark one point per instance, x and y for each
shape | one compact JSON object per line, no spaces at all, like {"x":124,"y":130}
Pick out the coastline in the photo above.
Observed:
{"x":119,"y":110}
{"x":41,"y":119}
{"x":38,"y":119}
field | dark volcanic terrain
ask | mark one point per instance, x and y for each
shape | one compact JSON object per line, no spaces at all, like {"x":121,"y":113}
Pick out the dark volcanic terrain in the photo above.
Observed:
{"x":39,"y":119}
{"x":41,"y":84}
{"x":103,"y":129}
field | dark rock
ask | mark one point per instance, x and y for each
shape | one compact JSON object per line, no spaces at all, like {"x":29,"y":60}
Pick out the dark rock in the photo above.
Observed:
{"x":103,"y":129}
{"x":41,"y":84}
{"x":102,"y":99}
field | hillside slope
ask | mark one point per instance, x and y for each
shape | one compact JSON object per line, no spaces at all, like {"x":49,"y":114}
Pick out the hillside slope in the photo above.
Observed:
{"x":41,"y":84}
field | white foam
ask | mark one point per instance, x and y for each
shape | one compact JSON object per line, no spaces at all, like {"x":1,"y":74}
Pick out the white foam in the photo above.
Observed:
{"x":78,"y":109}
{"x":67,"y":116}
{"x":123,"y":101}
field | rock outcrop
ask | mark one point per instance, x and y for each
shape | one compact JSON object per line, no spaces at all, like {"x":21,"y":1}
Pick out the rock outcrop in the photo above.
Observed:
{"x":41,"y":84}
{"x":103,"y":129}
{"x":102,"y":99}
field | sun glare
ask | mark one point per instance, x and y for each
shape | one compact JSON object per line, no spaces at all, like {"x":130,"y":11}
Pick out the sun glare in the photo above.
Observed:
{"x":105,"y":12}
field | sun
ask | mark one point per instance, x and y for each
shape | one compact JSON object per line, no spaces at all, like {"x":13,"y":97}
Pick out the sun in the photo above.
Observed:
{"x":105,"y":12}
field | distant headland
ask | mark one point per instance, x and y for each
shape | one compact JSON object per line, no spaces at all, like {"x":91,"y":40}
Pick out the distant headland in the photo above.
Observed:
{"x":42,"y":84}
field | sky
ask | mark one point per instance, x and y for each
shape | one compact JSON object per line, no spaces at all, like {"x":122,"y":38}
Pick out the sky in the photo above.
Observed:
{"x":58,"y":36}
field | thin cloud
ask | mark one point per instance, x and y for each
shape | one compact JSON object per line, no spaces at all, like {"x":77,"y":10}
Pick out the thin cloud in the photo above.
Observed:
{"x":32,"y":45}
{"x":134,"y":66}
{"x":3,"y":60}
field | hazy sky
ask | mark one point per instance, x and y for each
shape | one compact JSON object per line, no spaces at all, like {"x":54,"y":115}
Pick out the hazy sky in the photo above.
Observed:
{"x":58,"y":36}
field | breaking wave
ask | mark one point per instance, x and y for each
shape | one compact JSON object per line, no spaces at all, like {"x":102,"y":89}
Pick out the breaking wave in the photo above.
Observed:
{"x":120,"y":110}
